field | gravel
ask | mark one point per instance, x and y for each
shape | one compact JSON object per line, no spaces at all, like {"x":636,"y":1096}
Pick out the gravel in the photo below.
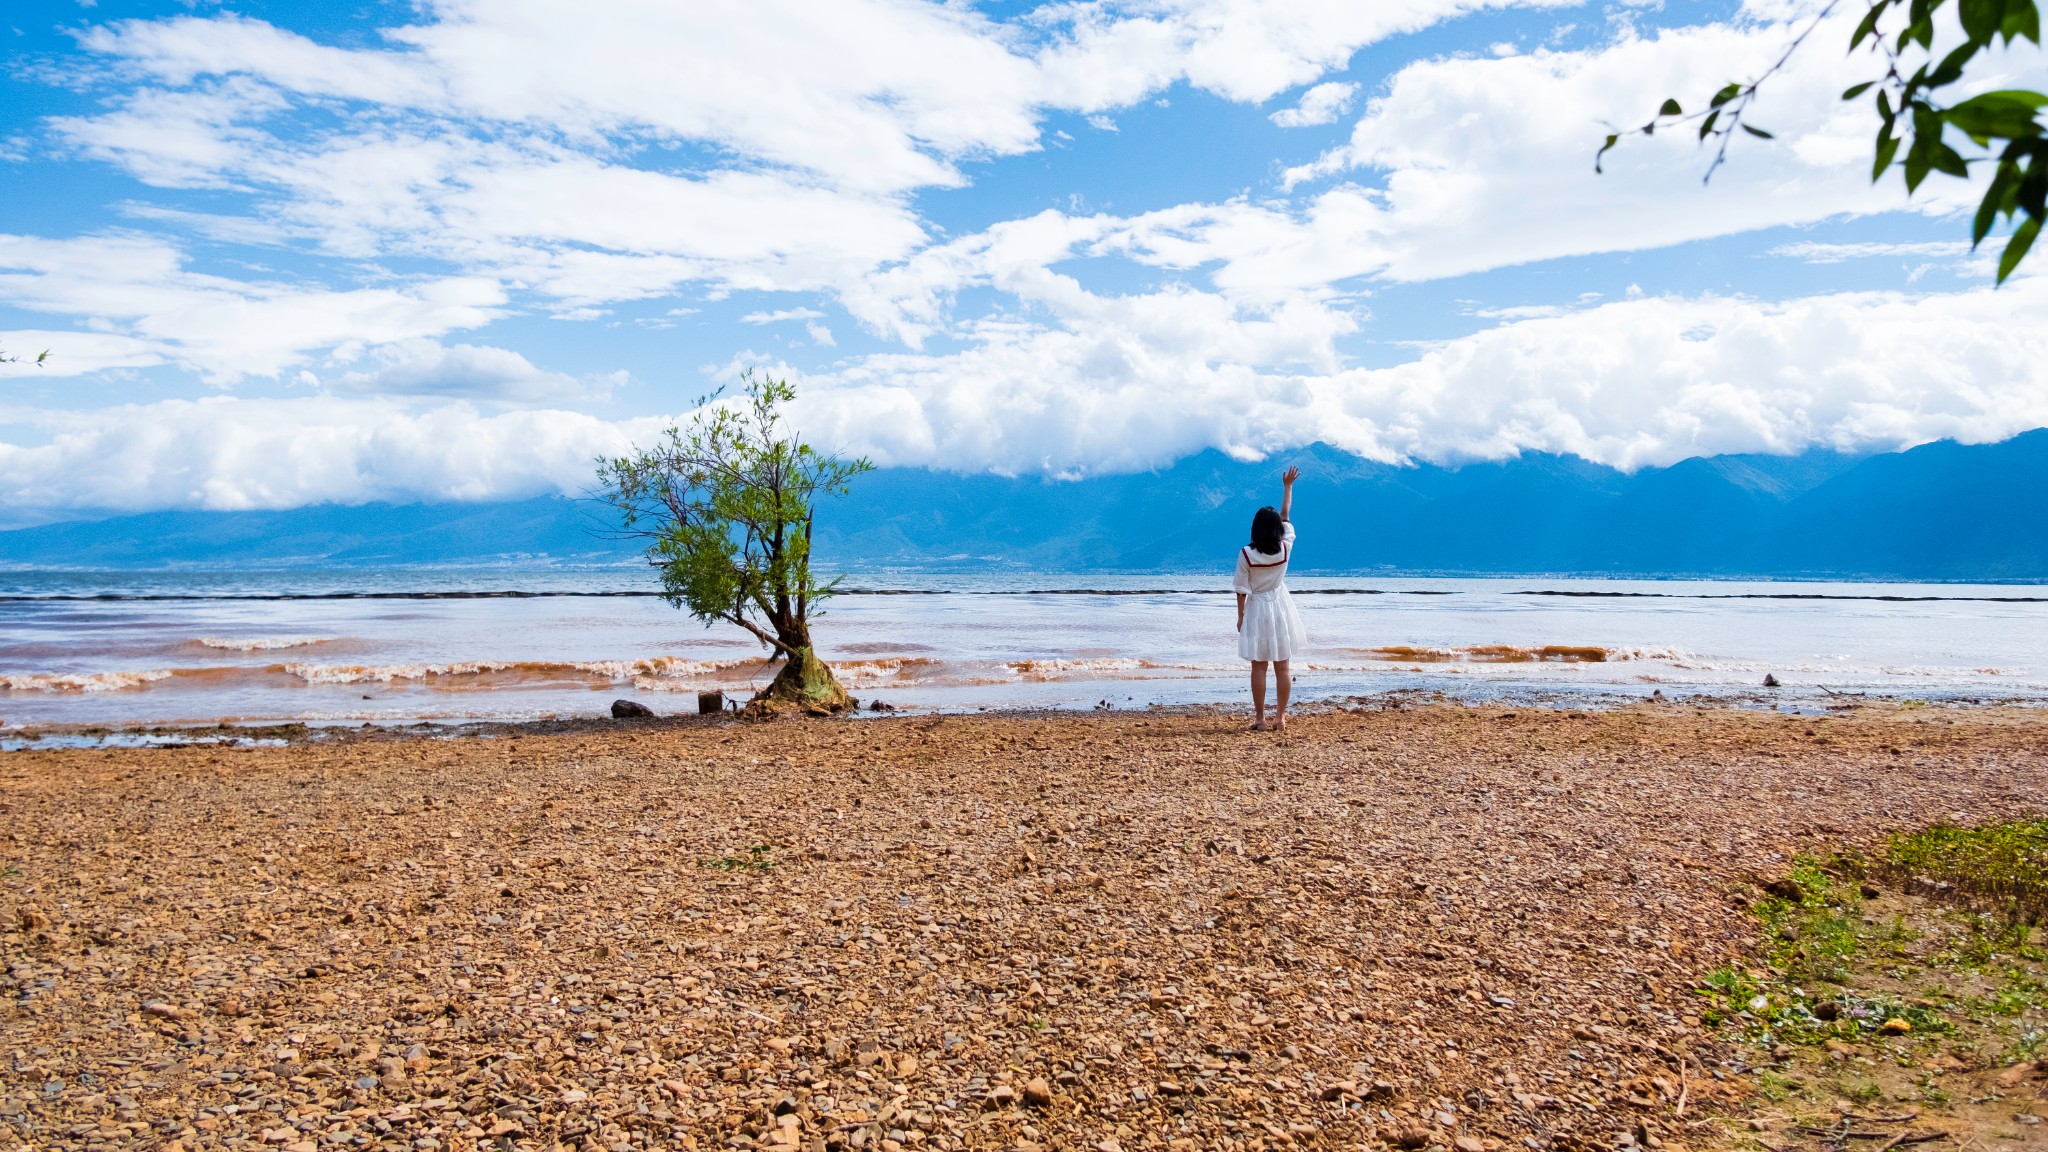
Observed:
{"x":1469,"y":928}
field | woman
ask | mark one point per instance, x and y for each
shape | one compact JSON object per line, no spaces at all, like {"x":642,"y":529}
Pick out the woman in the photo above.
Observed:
{"x":1268,"y":627}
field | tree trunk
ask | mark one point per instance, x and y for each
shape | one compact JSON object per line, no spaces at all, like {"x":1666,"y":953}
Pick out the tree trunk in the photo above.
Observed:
{"x":805,"y":682}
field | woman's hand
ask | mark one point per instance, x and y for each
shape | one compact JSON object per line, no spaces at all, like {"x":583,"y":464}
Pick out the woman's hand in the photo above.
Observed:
{"x":1290,"y":476}
{"x":1287,"y":480}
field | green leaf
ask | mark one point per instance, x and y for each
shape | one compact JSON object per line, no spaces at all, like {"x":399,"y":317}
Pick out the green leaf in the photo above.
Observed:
{"x":1887,"y":148}
{"x":1868,"y":27}
{"x":2006,"y":114}
{"x":1725,"y":95}
{"x":1981,"y":18}
{"x":1951,"y":67}
{"x":2016,"y":248}
{"x":1757,"y":132}
{"x":1707,"y":125}
{"x":1670,"y":108}
{"x":1947,"y":159}
{"x":1856,"y":90}
{"x":2021,"y":19}
{"x":1612,"y":140}
{"x":1994,"y":196}
{"x":1919,"y":162}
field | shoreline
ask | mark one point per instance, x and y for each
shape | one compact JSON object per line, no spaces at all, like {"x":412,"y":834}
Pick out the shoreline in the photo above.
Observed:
{"x":1050,"y":930}
{"x":288,"y":731}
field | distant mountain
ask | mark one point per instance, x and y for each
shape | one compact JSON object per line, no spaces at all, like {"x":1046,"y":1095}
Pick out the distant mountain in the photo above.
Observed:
{"x":1942,"y":511}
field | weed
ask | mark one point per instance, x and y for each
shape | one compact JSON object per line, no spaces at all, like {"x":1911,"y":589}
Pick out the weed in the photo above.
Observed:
{"x":1932,"y":1093}
{"x":2000,"y":869}
{"x":1985,"y":940}
{"x":757,"y":859}
{"x":2026,"y":1048}
{"x":1774,"y":1011}
{"x":1862,"y":1093}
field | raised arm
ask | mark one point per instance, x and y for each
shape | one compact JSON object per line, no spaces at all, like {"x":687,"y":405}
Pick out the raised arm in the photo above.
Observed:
{"x":1287,"y":480}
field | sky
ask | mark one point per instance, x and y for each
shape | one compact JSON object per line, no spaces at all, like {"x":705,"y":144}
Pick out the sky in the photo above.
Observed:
{"x":285,"y":253}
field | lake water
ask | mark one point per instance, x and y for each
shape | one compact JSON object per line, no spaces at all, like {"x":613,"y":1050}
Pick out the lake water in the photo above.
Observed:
{"x":106,"y":648}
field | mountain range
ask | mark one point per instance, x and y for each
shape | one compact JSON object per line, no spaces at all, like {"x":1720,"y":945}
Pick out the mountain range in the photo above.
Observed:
{"x":1943,"y":511}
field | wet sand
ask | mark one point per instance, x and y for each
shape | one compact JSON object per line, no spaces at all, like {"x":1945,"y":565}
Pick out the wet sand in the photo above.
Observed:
{"x":1458,"y":927}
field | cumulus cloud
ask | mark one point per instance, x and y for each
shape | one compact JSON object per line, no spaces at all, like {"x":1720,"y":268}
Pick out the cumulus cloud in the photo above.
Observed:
{"x":230,"y":453}
{"x":426,"y":368}
{"x":1321,"y":104}
{"x":500,"y":136}
{"x":1105,"y":55}
{"x":1135,"y":382}
{"x":221,"y":328}
{"x":76,"y":353}
{"x":564,"y":162}
{"x":1477,"y":164}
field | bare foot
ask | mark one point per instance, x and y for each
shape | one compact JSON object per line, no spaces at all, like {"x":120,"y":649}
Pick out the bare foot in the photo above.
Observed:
{"x":1258,"y":725}
{"x":1280,"y":723}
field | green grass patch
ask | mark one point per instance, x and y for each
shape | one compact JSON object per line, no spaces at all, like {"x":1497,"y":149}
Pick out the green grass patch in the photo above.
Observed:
{"x":1997,"y":869}
{"x":757,"y":859}
{"x":1814,"y":936}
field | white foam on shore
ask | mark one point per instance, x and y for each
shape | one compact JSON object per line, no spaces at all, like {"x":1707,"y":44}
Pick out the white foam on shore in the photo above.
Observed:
{"x":83,"y":681}
{"x":263,"y":643}
{"x":652,"y":667}
{"x":386,"y":673}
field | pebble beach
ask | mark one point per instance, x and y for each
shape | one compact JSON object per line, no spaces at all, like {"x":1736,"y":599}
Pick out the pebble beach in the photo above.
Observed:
{"x":1468,"y":928}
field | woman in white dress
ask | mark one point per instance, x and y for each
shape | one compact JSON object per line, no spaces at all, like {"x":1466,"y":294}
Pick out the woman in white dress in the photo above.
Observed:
{"x":1268,"y":627}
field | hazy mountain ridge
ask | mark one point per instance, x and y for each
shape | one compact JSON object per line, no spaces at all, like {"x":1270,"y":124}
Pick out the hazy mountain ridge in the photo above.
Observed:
{"x":1942,"y":511}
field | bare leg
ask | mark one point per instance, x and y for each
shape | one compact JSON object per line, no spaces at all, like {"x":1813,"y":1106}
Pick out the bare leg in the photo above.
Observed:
{"x":1286,"y":687}
{"x":1258,"y":695}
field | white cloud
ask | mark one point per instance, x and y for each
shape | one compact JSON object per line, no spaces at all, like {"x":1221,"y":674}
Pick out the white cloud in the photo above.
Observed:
{"x":75,"y":353}
{"x":1112,"y":54}
{"x":781,"y":314}
{"x":1482,"y":163}
{"x":866,"y":94}
{"x":1818,"y":253}
{"x":1136,"y":382}
{"x":564,"y":160}
{"x":426,"y":368}
{"x":223,"y":329}
{"x":563,"y":149}
{"x":227,"y":453}
{"x":1321,"y":104}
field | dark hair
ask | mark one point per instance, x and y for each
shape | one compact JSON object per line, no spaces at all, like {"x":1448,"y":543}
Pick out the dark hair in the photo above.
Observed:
{"x":1266,"y":530}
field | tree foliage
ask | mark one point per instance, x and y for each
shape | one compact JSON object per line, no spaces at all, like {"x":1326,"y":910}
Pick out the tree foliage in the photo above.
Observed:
{"x":728,"y":505}
{"x":1910,"y":95}
{"x":7,"y":357}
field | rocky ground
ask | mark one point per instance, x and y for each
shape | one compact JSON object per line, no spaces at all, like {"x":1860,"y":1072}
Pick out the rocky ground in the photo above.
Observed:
{"x":1449,"y":927}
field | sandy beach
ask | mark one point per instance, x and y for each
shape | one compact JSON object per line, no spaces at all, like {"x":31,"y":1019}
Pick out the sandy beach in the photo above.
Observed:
{"x":1473,"y":928}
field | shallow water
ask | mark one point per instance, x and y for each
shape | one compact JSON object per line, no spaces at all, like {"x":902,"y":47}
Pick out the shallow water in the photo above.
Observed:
{"x":102,"y":648}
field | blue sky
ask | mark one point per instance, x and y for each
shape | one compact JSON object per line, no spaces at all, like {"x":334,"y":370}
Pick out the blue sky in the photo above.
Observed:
{"x":285,"y":253}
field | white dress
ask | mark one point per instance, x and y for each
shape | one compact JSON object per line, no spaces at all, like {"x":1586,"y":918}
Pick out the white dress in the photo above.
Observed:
{"x":1272,"y":627}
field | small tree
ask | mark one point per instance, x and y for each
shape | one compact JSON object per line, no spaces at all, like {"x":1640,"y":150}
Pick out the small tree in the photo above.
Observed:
{"x":728,"y":504}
